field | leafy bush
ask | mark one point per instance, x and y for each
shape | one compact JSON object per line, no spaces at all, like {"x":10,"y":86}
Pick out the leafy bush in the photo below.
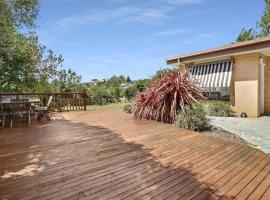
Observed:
{"x":220,"y":109}
{"x":167,"y":95}
{"x":99,"y":95}
{"x":193,"y":118}
{"x":127,"y":108}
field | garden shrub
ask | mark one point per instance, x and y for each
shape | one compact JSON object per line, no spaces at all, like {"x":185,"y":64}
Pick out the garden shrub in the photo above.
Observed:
{"x":127,"y":108}
{"x":220,"y":109}
{"x":166,"y":96}
{"x":193,"y":118}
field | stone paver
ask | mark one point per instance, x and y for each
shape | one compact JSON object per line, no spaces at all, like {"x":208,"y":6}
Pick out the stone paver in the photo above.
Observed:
{"x":255,"y":131}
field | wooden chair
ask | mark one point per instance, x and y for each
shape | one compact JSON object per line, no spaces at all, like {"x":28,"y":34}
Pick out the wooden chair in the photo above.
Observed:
{"x":2,"y":114}
{"x":19,"y":108}
{"x":43,"y":111}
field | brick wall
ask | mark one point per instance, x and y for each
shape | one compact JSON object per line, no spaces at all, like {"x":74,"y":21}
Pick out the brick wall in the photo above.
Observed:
{"x":267,"y":87}
{"x":246,"y":84}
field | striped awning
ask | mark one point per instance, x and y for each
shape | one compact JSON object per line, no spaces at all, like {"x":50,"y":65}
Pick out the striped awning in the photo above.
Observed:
{"x":213,"y":75}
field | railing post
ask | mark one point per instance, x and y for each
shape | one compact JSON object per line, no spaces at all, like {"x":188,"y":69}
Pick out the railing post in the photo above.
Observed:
{"x":85,"y":101}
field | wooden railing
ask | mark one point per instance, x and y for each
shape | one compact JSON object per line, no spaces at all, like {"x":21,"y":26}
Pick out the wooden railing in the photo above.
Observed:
{"x":64,"y":101}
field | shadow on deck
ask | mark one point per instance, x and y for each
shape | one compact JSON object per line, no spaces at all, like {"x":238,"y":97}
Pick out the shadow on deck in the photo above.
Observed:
{"x":80,"y":158}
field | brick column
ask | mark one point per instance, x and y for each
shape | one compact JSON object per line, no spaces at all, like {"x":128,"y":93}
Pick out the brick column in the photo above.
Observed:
{"x":267,"y":87}
{"x":246,"y":84}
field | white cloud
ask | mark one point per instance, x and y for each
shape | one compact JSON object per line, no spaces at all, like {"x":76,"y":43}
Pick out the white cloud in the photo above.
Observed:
{"x":181,"y":2}
{"x":73,"y":44}
{"x":208,"y":35}
{"x":160,"y":2}
{"x":122,"y":14}
{"x":69,"y":1}
{"x":172,"y":32}
{"x":147,"y":12}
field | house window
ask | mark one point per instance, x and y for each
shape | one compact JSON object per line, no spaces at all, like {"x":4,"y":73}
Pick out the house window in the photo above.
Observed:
{"x":214,"y":78}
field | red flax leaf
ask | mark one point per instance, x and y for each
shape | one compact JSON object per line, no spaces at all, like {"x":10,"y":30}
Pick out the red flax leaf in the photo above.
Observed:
{"x":162,"y":99}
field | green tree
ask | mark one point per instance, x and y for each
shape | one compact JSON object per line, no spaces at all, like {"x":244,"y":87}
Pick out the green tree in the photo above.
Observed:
{"x":47,"y":70}
{"x":99,"y":94}
{"x":17,"y":51}
{"x":25,"y":64}
{"x":128,"y":80}
{"x":18,"y":65}
{"x":140,"y":85}
{"x":66,"y":81}
{"x":263,"y":26}
{"x":161,"y":72}
{"x":130,"y":92}
{"x":264,"y":23}
{"x":116,"y":80}
{"x":136,"y":87}
{"x":21,"y":12}
{"x":246,"y":34}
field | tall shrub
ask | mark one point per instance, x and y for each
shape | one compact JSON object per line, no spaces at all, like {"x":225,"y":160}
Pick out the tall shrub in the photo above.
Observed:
{"x":166,"y":96}
{"x":194,"y":118}
{"x":127,"y":107}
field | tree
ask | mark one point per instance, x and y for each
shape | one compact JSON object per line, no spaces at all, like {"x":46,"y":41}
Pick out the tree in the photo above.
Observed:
{"x":246,"y":34}
{"x":22,"y":12}
{"x":130,"y":92}
{"x":99,"y":94}
{"x":162,"y":72}
{"x":18,"y":65}
{"x":25,"y":64}
{"x":128,"y":80}
{"x":263,"y":26}
{"x":47,"y":70}
{"x":66,"y":81}
{"x":136,"y":87}
{"x":264,"y":23}
{"x":116,"y":80}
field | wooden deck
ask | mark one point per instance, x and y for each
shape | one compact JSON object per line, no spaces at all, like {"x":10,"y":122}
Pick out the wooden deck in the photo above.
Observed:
{"x":108,"y":155}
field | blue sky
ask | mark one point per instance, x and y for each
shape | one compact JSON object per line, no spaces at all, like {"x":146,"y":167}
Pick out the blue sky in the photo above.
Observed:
{"x":101,"y":38}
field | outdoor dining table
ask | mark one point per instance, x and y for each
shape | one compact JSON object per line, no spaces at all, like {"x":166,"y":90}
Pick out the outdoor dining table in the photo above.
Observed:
{"x":16,"y":107}
{"x":32,"y":101}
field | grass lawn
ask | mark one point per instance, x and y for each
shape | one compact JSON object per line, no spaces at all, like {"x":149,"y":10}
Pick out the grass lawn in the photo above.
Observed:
{"x":110,"y":105}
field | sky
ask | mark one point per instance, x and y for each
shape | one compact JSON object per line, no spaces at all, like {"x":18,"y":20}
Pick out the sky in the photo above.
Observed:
{"x":102,"y":38}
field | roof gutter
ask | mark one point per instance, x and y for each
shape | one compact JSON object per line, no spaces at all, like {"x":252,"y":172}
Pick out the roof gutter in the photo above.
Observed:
{"x":219,"y":52}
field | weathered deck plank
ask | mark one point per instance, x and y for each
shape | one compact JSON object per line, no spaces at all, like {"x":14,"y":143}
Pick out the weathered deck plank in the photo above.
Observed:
{"x":109,"y":155}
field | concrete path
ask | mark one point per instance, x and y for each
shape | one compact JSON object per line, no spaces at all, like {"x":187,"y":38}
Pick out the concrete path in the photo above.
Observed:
{"x":255,"y":131}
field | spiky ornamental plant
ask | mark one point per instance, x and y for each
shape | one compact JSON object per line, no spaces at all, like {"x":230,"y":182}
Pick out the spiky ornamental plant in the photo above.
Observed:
{"x":165,"y":97}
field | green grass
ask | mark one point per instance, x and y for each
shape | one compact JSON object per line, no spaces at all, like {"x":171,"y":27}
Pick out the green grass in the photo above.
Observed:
{"x":106,"y":106}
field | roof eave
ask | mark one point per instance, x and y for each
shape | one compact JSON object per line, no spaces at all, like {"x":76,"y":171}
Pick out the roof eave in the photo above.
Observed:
{"x":219,"y":52}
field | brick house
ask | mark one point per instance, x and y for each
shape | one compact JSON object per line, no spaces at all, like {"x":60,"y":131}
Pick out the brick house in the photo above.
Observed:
{"x":239,"y":73}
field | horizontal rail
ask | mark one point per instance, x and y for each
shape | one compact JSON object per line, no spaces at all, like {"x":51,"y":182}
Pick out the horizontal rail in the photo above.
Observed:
{"x":62,"y":101}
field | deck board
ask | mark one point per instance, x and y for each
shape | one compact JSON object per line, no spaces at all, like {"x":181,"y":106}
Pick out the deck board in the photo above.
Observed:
{"x":107,"y":154}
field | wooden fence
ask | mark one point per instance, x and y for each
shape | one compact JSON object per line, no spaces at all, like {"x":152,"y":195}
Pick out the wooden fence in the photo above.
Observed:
{"x":64,"y":101}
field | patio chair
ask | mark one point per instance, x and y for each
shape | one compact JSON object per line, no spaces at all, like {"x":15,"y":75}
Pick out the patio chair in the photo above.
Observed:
{"x":18,"y":108}
{"x":43,"y":111}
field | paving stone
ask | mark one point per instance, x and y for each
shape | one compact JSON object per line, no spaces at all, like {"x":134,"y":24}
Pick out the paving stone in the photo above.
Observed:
{"x":255,"y":131}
